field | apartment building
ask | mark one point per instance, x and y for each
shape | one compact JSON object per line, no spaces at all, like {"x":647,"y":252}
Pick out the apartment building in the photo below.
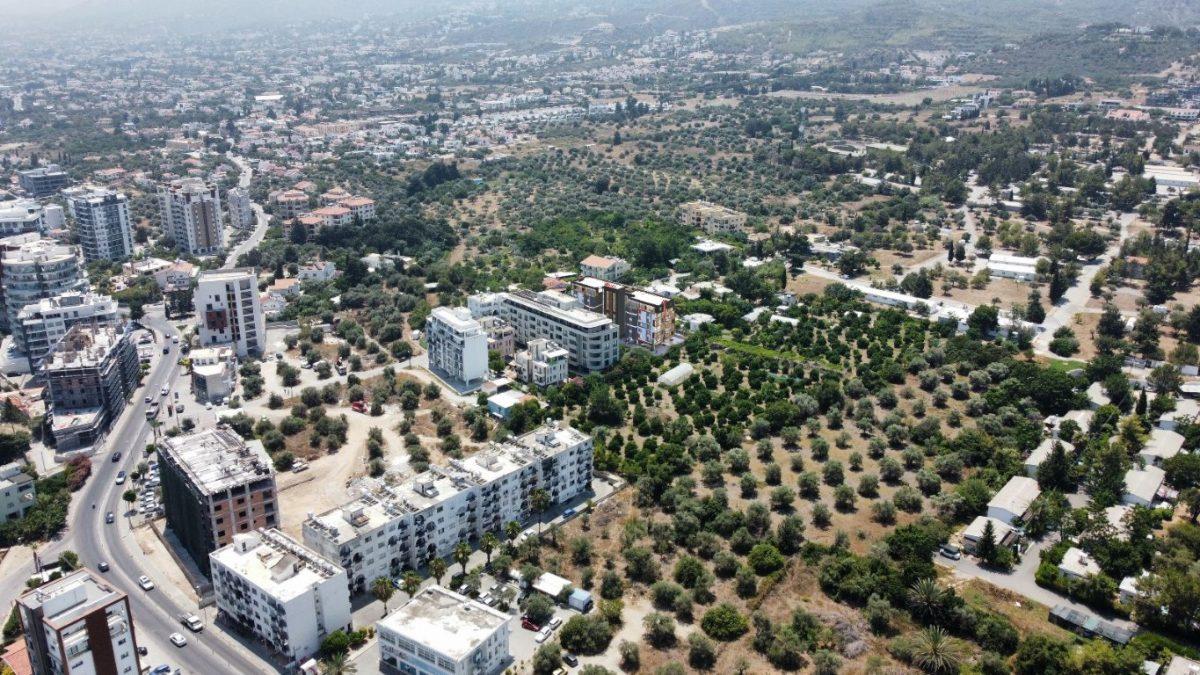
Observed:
{"x":283,"y":593}
{"x":241,"y":210}
{"x":215,"y":485}
{"x":361,"y":209}
{"x":542,"y":363}
{"x":33,"y":268}
{"x":79,"y":625}
{"x":101,"y":223}
{"x":600,"y":267}
{"x":334,"y":216}
{"x":229,"y":310}
{"x":39,"y":326}
{"x":21,"y":216}
{"x":191,"y":215}
{"x":592,"y":340}
{"x":644,"y":319}
{"x":43,"y":181}
{"x":501,"y":337}
{"x":291,"y":204}
{"x":17,"y":491}
{"x":712,"y":218}
{"x":392,"y":527}
{"x":439,"y":631}
{"x":214,"y":372}
{"x":90,"y":374}
{"x":457,"y":346}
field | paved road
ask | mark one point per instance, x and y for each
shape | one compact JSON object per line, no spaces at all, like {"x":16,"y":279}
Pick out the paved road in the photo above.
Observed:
{"x":261,"y":220}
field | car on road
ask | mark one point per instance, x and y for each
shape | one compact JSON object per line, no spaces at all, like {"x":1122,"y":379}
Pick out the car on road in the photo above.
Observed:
{"x":192,"y":622}
{"x":116,"y":456}
{"x":528,"y":624}
{"x":278,"y":356}
{"x":166,"y":349}
{"x":145,"y":582}
{"x":120,"y":478}
{"x":142,"y":651}
{"x":178,"y":407}
{"x":175,"y":339}
{"x":570,"y":659}
{"x":109,"y":518}
{"x":951,"y":551}
{"x":568,"y":513}
{"x":178,"y":639}
{"x":208,"y":406}
{"x":163,"y":391}
{"x":102,"y":566}
{"x":176,"y":396}
{"x":543,"y":635}
{"x":299,"y":466}
{"x":149,"y":398}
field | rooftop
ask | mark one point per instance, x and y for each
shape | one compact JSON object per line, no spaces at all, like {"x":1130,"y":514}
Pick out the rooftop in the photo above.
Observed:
{"x":71,"y":597}
{"x":551,"y":303}
{"x":445,"y":622}
{"x":1016,"y":495}
{"x":458,"y":318}
{"x":235,"y":274}
{"x":84,"y":346}
{"x":274,"y":562}
{"x":217,"y":459}
{"x":1078,"y":563}
{"x":1144,"y":483}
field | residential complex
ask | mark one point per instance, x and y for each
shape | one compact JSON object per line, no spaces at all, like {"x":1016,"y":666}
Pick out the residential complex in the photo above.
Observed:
{"x":600,"y":267}
{"x":284,"y":594}
{"x":17,"y":491}
{"x":645,"y":319}
{"x":592,"y":340}
{"x":439,"y":631}
{"x":21,"y":216}
{"x":43,"y":181}
{"x":229,"y":310}
{"x":542,"y":363}
{"x":393,"y":527}
{"x":457,"y":346}
{"x":711,"y":218}
{"x":215,"y":485}
{"x":89,"y":375}
{"x":214,"y":372}
{"x":39,"y":326}
{"x":101,"y":223}
{"x":191,"y":215}
{"x":241,"y":210}
{"x":33,"y":268}
{"x":79,"y":625}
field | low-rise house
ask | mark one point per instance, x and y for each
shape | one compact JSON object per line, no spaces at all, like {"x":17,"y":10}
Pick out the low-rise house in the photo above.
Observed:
{"x":605,"y":268}
{"x":501,"y":405}
{"x":1041,"y":453}
{"x":1003,"y":534}
{"x":1117,"y":517}
{"x":273,"y":304}
{"x":1013,"y":500}
{"x":361,"y":209}
{"x":1142,"y":485}
{"x":1186,"y":410}
{"x":321,"y":270}
{"x":712,"y":218}
{"x":1089,"y":625}
{"x":287,"y":287}
{"x":334,"y":216}
{"x":1077,"y":564}
{"x":1096,"y":395}
{"x":543,"y":363}
{"x":1181,"y":665}
{"x":1129,"y":589}
{"x":1161,"y":446}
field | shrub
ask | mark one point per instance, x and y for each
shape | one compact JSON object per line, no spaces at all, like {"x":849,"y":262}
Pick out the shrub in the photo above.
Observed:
{"x":724,"y":622}
{"x":585,"y":634}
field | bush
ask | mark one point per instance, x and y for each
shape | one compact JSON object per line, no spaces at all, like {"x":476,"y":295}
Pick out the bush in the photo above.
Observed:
{"x":724,"y":622}
{"x":585,"y":634}
{"x":765,"y":559}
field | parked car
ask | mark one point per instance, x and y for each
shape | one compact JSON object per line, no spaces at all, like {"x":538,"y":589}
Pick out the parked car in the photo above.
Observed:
{"x":166,"y":349}
{"x":554,"y":623}
{"x":102,"y":566}
{"x":178,"y":639}
{"x":528,"y":624}
{"x":163,"y":669}
{"x":543,"y":635}
{"x":486,"y":598}
{"x":951,"y":551}
{"x":149,"y":398}
{"x":568,"y":513}
{"x":570,"y":659}
{"x":178,"y":407}
{"x":145,"y":583}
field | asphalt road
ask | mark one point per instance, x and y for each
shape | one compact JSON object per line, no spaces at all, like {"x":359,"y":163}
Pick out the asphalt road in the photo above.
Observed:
{"x":261,"y":221}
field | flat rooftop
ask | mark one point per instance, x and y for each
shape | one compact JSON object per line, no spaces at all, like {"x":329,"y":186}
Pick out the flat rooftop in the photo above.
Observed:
{"x":218,"y":459}
{"x":67,"y":599}
{"x":84,"y":346}
{"x":275,"y":563}
{"x":235,"y":274}
{"x":445,"y":622}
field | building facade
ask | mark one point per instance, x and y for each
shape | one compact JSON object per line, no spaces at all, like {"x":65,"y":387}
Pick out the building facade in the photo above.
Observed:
{"x":41,"y":325}
{"x":284,"y":594}
{"x":501,"y":337}
{"x":390,"y":528}
{"x":21,"y":216}
{"x":600,"y":267}
{"x":191,"y":215}
{"x":644,"y":319}
{"x":229,"y":310}
{"x":711,"y":218}
{"x":90,"y":375}
{"x":592,"y":340}
{"x":79,"y":625}
{"x":542,"y":363}
{"x":33,"y":268}
{"x":241,"y":210}
{"x":457,"y":346}
{"x":43,"y":181}
{"x":101,"y":223}
{"x":216,"y":485}
{"x":444,"y":633}
{"x":214,"y":372}
{"x":17,"y":491}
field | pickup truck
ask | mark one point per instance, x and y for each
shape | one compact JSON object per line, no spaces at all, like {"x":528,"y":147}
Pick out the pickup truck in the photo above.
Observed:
{"x":192,"y":622}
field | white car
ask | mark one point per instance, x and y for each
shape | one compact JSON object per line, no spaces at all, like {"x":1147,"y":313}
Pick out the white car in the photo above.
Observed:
{"x":163,"y":391}
{"x":554,"y":623}
{"x":145,"y":583}
{"x":543,"y":635}
{"x":178,"y":639}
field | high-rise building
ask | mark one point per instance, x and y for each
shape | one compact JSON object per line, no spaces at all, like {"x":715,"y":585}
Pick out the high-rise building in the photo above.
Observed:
{"x":439,"y":631}
{"x":21,"y":216}
{"x":645,"y":319}
{"x":191,"y":215}
{"x":215,"y":485}
{"x":39,"y":326}
{"x":79,"y":625}
{"x":592,"y":340}
{"x":43,"y":181}
{"x":393,"y":527}
{"x":229,"y":310}
{"x":90,"y":374}
{"x":457,"y":346}
{"x":241,"y":210}
{"x":283,"y":593}
{"x":33,"y":268}
{"x":101,"y":223}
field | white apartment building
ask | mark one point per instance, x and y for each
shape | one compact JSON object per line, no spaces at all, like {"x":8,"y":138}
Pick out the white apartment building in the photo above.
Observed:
{"x":600,"y":267}
{"x":17,"y":491}
{"x":543,"y":363}
{"x":214,"y":372}
{"x":321,"y":270}
{"x":592,"y":340}
{"x":712,"y":218}
{"x":441,"y":632}
{"x":285,"y":594}
{"x":361,"y":208}
{"x":457,"y":346}
{"x":79,"y":625}
{"x":33,"y":268}
{"x":191,"y":215}
{"x":229,"y":310}
{"x":241,"y":211}
{"x":101,"y":223}
{"x":21,"y":216}
{"x":39,"y":326}
{"x":389,"y":528}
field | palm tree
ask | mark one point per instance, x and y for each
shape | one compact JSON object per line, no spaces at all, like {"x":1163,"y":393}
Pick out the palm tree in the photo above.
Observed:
{"x":936,"y":652}
{"x":411,"y":583}
{"x":540,"y":501}
{"x":338,"y":664}
{"x":512,"y":529}
{"x":462,"y":555}
{"x":383,"y":590}
{"x":437,"y":569}
{"x":925,"y":599}
{"x":488,"y":544}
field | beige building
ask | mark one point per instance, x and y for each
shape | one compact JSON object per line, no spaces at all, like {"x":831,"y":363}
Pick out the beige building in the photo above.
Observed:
{"x":712,"y":218}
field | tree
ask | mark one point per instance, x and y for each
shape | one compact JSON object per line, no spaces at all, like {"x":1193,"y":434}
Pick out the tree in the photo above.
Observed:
{"x":383,"y":590}
{"x":1034,"y":312}
{"x":724,"y":622}
{"x":547,"y":659}
{"x":539,"y":501}
{"x":462,"y":555}
{"x":765,"y":559}
{"x":488,"y":544}
{"x":934,"y":651}
{"x":986,"y":548}
{"x":69,"y":560}
{"x":539,"y":609}
{"x":983,"y":322}
{"x":585,"y":634}
{"x":926,"y":600}
{"x":338,"y":664}
{"x":1056,"y":472}
{"x":659,"y":630}
{"x":437,"y":569}
{"x":1041,"y":655}
{"x":411,"y":582}
{"x":129,"y":497}
{"x":702,"y":653}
